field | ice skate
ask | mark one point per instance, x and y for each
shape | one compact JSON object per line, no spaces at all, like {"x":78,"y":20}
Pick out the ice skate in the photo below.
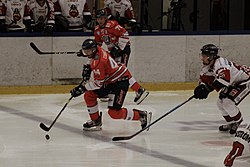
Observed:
{"x":145,"y":118}
{"x":140,"y":95}
{"x":225,"y":128}
{"x":91,"y":125}
{"x":234,"y":127}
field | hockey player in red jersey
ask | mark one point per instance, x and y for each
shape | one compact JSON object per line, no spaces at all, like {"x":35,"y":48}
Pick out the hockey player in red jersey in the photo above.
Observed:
{"x":239,"y":156}
{"x":117,"y":40}
{"x":232,"y":80}
{"x":110,"y":79}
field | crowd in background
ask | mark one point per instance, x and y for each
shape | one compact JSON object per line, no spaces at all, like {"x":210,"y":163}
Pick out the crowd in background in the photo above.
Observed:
{"x":50,"y":16}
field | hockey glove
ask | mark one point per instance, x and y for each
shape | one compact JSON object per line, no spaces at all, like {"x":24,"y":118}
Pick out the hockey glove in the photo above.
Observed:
{"x":86,"y":72}
{"x":201,"y":91}
{"x":116,"y":52}
{"x":80,"y":54}
{"x":77,"y":91}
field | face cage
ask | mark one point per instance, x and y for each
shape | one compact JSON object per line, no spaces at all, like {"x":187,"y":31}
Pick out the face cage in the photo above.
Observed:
{"x":88,"y":53}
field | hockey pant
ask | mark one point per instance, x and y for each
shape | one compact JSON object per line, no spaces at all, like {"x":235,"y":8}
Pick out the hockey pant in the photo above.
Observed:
{"x":116,"y":93}
{"x":228,"y":100}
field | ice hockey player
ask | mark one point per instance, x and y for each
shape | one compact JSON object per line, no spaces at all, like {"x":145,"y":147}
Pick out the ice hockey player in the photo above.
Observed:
{"x":110,"y":79}
{"x":72,"y":15}
{"x":230,"y":79}
{"x":117,"y":40}
{"x":121,"y":11}
{"x":239,"y":156}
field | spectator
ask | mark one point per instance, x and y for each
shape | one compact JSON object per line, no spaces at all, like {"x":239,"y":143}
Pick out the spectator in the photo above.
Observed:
{"x":72,"y":15}
{"x":121,"y":11}
{"x":42,"y":16}
{"x":13,"y":16}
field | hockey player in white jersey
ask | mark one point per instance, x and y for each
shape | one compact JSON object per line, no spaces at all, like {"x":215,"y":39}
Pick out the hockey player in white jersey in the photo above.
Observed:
{"x":42,"y":16}
{"x":231,"y":79}
{"x":239,"y":156}
{"x":76,"y":13}
{"x":121,"y":11}
{"x":12,"y":15}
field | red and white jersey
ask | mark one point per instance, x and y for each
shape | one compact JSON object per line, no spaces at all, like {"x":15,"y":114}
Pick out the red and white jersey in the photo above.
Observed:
{"x":41,"y":14}
{"x":105,"y":70}
{"x":14,"y":12}
{"x":73,"y":10}
{"x":225,"y":72}
{"x":112,"y":34}
{"x":122,"y":7}
{"x":239,"y":155}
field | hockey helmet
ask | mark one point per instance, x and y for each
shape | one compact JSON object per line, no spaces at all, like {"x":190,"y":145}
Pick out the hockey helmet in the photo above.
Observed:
{"x":210,"y":50}
{"x":89,"y":44}
{"x":101,"y":13}
{"x":89,"y":47}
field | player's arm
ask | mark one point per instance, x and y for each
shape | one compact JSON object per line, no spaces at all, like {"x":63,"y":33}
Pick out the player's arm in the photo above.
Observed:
{"x":123,"y":40}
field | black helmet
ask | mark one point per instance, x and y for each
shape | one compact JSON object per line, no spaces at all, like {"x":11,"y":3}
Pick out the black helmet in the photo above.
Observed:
{"x":101,"y":13}
{"x":210,"y":50}
{"x":88,"y":44}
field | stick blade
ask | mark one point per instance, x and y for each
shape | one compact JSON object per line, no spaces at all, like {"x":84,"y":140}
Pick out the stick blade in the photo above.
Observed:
{"x":121,"y":138}
{"x":35,"y":48}
{"x":44,"y":127}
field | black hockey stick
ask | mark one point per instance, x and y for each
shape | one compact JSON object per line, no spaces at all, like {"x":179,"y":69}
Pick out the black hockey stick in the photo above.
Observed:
{"x":131,"y":136}
{"x":45,"y":53}
{"x":44,"y":127}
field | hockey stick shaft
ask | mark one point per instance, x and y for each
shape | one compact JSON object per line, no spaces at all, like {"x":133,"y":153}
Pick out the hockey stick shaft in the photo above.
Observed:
{"x":130,"y":137}
{"x":35,"y":48}
{"x":44,"y":127}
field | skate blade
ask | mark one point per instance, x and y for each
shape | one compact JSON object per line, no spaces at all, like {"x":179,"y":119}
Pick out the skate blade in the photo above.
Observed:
{"x":96,"y":128}
{"x":143,"y":96}
{"x":149,"y":119}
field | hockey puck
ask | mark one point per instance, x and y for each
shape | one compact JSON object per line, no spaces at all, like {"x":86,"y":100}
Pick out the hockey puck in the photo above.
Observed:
{"x":47,"y":137}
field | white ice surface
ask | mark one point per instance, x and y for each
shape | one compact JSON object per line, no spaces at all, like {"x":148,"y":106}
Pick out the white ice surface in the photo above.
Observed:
{"x":188,"y":137}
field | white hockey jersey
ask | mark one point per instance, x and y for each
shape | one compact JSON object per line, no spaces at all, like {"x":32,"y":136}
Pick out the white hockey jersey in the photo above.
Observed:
{"x":123,"y":8}
{"x":225,"y":72}
{"x":15,"y":14}
{"x":73,"y":10}
{"x":41,"y":14}
{"x":239,"y":155}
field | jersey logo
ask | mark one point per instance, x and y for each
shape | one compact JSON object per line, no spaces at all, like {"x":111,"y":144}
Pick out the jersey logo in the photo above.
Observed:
{"x":73,"y":12}
{"x":16,"y":15}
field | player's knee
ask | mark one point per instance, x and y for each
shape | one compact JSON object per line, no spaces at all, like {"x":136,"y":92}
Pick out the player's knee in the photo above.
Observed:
{"x":116,"y":114}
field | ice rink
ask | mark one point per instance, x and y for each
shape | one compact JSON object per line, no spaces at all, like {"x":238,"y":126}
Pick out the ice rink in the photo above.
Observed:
{"x":188,"y":137}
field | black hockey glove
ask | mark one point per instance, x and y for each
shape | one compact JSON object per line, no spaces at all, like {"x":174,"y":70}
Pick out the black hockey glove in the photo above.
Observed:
{"x":86,"y":72}
{"x":77,"y":91}
{"x":116,"y":52}
{"x":80,"y":54}
{"x":201,"y":91}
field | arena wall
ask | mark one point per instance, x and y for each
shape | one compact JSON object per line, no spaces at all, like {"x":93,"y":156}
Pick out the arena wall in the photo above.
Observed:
{"x":160,"y":62}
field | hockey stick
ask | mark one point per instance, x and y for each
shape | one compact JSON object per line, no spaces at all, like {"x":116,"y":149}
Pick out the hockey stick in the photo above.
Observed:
{"x":131,"y":136}
{"x":35,"y":48}
{"x":44,"y":127}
